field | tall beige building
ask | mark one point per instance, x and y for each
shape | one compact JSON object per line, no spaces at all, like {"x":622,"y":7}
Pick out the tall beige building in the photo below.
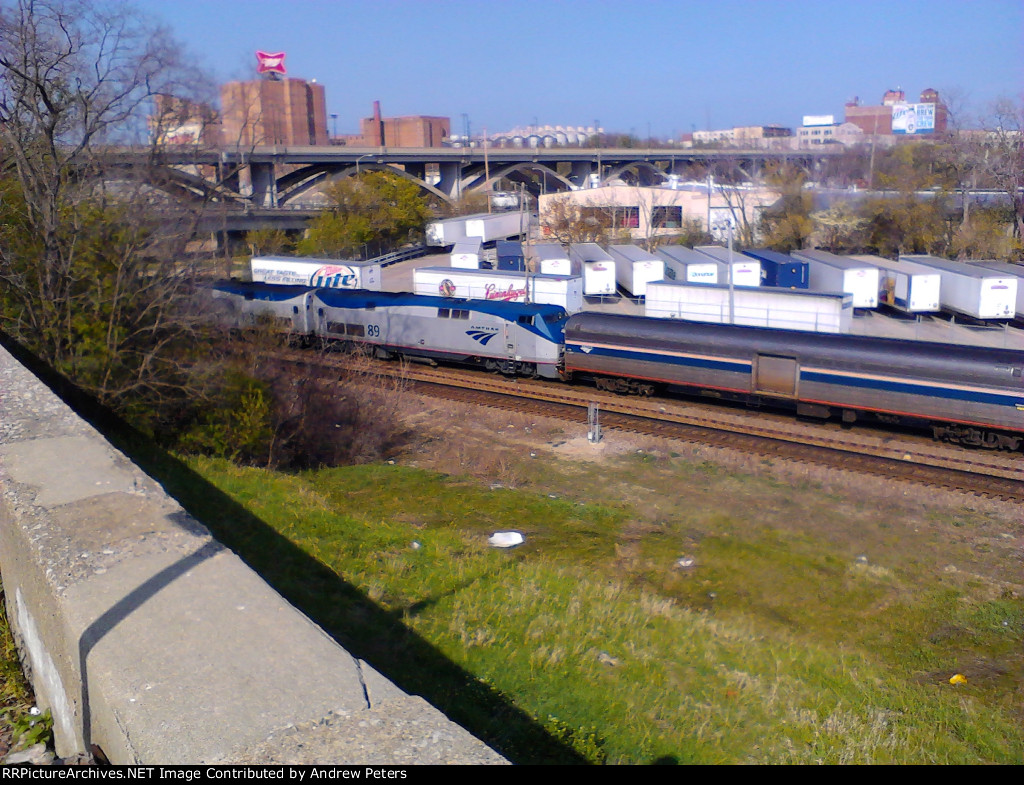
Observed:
{"x":274,"y":112}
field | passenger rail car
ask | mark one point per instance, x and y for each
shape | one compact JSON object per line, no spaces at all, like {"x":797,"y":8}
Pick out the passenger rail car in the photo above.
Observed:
{"x":969,"y":395}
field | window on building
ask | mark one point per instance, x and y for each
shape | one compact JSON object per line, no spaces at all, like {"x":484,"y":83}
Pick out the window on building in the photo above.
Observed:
{"x":667,"y":217}
{"x":612,"y":216}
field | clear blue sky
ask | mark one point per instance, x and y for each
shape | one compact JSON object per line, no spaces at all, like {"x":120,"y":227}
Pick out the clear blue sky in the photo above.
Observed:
{"x":670,"y":66}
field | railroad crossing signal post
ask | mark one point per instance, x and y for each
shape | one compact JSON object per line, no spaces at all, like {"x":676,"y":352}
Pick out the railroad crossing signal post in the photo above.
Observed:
{"x":593,"y":426}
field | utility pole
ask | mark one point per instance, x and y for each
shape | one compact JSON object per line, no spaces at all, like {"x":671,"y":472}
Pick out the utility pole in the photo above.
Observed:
{"x":487,"y":173}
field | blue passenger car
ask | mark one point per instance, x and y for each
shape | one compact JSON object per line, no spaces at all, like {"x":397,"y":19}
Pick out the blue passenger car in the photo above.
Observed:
{"x":973,"y":395}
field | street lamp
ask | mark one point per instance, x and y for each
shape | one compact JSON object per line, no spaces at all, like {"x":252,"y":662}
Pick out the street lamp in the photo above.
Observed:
{"x":360,"y":158}
{"x":334,"y":124}
{"x":728,"y":224}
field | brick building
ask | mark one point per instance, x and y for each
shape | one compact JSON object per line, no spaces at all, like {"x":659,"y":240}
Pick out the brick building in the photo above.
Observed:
{"x":274,"y":112}
{"x":178,"y":121}
{"x":878,"y":120}
{"x":409,"y":131}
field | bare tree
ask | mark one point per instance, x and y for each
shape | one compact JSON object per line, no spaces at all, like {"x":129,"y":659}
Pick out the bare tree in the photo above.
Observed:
{"x":566,"y":221}
{"x":91,"y":256}
{"x":1004,"y":143}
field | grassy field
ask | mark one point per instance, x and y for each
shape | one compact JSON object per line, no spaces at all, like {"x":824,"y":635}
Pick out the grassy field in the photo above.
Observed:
{"x":665,"y":608}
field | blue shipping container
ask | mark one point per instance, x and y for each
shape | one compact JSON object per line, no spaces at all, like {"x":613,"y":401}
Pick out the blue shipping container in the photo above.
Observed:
{"x":780,"y":269}
{"x":510,"y":255}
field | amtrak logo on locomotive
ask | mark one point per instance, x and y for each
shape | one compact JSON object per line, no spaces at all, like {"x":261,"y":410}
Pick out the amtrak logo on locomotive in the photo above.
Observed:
{"x":481,"y":336}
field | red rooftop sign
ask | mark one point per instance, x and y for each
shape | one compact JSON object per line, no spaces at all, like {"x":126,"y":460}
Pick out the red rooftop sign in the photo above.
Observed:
{"x":268,"y":63}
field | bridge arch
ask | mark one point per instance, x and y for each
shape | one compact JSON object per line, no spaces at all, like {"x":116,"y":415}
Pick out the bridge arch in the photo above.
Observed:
{"x":193,"y":187}
{"x":654,"y":174}
{"x":551,"y":180}
{"x":294,"y":184}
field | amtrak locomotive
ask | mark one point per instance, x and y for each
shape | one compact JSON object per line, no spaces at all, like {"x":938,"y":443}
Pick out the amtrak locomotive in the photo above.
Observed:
{"x":969,"y":395}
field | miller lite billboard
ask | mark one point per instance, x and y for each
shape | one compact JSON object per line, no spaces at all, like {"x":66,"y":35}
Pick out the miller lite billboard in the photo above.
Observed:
{"x":913,"y":118}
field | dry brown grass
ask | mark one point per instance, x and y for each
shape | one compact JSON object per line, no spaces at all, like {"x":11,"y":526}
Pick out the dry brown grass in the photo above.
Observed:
{"x":965,"y":538}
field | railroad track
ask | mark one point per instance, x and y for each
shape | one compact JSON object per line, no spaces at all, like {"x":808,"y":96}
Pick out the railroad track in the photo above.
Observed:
{"x":781,"y":436}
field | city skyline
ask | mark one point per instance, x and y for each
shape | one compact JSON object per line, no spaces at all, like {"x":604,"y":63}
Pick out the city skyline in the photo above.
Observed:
{"x":664,"y":69}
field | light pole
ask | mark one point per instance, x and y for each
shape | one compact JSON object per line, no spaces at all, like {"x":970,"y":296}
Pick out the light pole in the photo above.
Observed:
{"x":334,"y":126}
{"x":360,"y":158}
{"x":728,"y":226}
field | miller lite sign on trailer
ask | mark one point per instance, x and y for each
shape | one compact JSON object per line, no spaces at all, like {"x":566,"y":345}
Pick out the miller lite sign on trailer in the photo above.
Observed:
{"x":321,"y":273}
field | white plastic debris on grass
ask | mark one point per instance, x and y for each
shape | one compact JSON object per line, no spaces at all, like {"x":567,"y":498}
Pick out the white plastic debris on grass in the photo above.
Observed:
{"x":506,"y":539}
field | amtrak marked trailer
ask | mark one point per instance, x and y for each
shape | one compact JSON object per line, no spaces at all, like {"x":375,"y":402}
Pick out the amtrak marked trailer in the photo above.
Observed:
{"x":788,"y":309}
{"x":906,"y":286}
{"x":828,"y":272}
{"x":745,"y":270}
{"x":466,"y":253}
{"x":598,"y":268}
{"x":503,"y":285}
{"x":553,"y":259}
{"x":310,"y":271}
{"x":779,"y":269}
{"x":1009,"y":269}
{"x":971,"y":290}
{"x":686,"y":264}
{"x":635,"y":268}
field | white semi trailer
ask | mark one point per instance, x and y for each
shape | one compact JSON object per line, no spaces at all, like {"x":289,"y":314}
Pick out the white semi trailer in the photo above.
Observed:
{"x":489,"y":227}
{"x":635,"y":268}
{"x":598,"y":268}
{"x":971,"y":290}
{"x":309,"y":271}
{"x":501,"y":285}
{"x":689,"y":266}
{"x":466,"y":253}
{"x":553,"y":259}
{"x":746,"y":271}
{"x":829,"y":272}
{"x":906,"y":286}
{"x":788,"y":309}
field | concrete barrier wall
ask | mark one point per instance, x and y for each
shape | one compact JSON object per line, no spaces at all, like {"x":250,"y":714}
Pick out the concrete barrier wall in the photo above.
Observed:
{"x":145,"y":636}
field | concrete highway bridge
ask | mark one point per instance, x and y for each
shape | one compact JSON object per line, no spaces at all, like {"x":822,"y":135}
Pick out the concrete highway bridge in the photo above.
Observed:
{"x":276,"y":178}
